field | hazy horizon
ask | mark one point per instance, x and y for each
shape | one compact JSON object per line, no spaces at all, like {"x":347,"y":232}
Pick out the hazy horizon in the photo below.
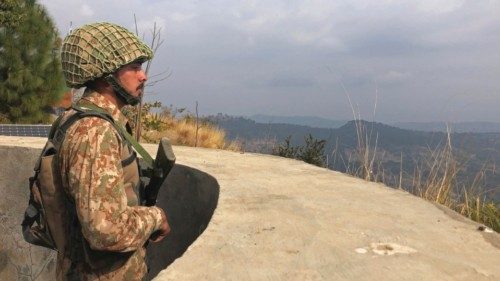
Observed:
{"x":407,"y":61}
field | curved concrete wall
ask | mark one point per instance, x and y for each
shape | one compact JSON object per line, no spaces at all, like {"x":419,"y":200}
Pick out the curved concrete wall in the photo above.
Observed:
{"x":18,"y":259}
{"x":189,"y":195}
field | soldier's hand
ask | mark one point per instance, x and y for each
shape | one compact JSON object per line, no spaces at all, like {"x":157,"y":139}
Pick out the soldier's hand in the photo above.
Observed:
{"x":164,"y":230}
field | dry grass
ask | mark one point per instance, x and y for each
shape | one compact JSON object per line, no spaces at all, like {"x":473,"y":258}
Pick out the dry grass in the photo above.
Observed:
{"x":440,"y":184}
{"x":441,"y":173}
{"x":366,"y":148}
{"x":435,"y":179}
{"x":185,"y":130}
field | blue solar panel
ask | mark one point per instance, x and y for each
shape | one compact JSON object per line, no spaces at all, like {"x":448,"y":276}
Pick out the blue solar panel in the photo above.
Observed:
{"x":24,"y":130}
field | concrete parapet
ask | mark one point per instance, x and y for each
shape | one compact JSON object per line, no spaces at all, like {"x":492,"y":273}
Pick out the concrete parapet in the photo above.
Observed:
{"x":280,"y":219}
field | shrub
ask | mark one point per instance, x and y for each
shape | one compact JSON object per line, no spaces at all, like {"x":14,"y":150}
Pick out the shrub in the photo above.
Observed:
{"x":312,"y":152}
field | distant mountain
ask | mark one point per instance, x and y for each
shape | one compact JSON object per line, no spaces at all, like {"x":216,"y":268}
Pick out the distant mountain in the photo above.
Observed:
{"x":477,"y":153}
{"x":319,"y":122}
{"x":262,"y":137}
{"x":248,"y":130}
{"x":311,"y":121}
{"x":459,"y":127}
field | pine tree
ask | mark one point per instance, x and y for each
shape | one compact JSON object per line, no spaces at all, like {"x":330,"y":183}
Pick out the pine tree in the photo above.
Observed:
{"x":10,"y":13}
{"x":31,"y":79}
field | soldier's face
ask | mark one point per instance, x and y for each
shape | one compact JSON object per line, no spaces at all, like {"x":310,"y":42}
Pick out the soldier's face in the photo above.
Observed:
{"x":132,"y":78}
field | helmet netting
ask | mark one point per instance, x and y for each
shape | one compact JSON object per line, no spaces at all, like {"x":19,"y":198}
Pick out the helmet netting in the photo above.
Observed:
{"x":93,"y":50}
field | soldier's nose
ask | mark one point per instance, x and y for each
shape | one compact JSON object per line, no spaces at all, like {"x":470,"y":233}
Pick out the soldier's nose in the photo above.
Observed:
{"x":143,"y":76}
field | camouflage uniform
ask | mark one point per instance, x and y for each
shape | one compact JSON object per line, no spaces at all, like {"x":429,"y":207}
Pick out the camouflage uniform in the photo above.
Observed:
{"x":107,"y":235}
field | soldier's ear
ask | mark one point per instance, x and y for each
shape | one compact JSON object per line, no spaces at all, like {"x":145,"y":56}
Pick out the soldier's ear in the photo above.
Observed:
{"x":99,"y":85}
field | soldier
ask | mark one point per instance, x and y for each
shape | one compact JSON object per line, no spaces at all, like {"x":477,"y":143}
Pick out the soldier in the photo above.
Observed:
{"x":107,"y":229}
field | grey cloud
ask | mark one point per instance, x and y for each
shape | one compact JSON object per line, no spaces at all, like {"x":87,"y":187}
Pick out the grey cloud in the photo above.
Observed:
{"x":383,"y":44}
{"x":278,"y":81}
{"x":245,"y":56}
{"x":289,"y":82}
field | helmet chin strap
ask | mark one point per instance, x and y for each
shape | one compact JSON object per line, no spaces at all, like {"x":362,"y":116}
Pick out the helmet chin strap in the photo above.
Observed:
{"x":121,"y":93}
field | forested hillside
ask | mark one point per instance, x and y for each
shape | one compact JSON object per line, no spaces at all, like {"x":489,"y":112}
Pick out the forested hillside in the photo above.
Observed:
{"x":397,"y":154}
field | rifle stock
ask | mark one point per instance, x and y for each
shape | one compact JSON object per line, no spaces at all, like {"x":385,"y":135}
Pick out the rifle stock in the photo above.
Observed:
{"x":163,"y":164}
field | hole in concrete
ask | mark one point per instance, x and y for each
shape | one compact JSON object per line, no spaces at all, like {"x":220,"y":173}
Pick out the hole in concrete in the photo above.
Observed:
{"x":189,"y":198}
{"x":385,"y":247}
{"x":389,"y":249}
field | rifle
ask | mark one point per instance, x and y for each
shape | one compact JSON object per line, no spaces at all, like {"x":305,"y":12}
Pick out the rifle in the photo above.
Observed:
{"x":152,"y":178}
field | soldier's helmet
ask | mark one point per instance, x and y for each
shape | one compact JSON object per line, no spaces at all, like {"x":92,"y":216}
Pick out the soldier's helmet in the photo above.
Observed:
{"x":94,"y":50}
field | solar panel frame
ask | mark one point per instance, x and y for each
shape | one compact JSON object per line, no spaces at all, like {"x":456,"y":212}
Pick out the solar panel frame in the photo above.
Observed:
{"x":24,"y":130}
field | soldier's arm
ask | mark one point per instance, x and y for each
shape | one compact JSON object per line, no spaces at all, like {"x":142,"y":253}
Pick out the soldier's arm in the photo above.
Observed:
{"x":95,"y":180}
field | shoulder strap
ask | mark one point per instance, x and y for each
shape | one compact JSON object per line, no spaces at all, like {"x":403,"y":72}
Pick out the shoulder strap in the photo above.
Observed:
{"x":91,"y":110}
{"x":52,"y":132}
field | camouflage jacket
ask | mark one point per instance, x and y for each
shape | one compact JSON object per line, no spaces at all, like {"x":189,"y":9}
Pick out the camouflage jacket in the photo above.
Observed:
{"x":106,"y":237}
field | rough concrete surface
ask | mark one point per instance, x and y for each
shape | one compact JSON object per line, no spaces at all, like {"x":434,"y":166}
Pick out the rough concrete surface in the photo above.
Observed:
{"x":281,"y":219}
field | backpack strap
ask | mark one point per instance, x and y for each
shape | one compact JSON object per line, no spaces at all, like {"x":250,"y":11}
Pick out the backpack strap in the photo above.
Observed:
{"x":52,"y":132}
{"x":92,"y":110}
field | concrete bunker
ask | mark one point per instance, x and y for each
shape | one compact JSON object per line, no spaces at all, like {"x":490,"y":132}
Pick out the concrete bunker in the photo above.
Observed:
{"x":190,"y":195}
{"x":277,"y":219}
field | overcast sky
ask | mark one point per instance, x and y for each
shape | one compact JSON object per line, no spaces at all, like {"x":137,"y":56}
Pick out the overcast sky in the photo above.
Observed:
{"x":426,"y":60}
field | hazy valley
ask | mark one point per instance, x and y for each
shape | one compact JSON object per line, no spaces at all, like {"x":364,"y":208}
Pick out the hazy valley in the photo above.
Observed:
{"x":399,"y":156}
